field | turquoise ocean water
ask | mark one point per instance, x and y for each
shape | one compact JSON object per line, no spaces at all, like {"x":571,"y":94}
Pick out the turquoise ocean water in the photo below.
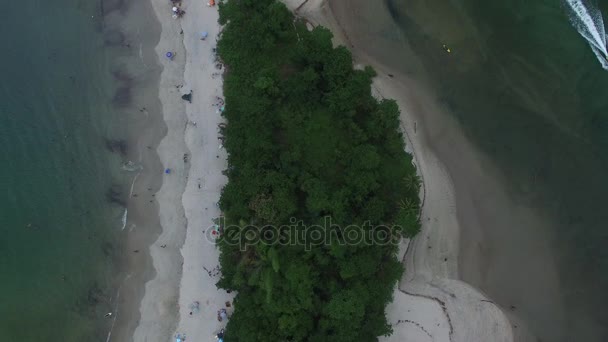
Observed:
{"x":529,"y":91}
{"x":59,"y":235}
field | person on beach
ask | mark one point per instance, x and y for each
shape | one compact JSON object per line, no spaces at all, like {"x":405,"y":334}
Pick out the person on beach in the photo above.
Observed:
{"x":222,"y":315}
{"x":220,"y":334}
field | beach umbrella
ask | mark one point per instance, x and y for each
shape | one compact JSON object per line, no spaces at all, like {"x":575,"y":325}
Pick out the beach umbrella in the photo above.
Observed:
{"x":169,"y":54}
{"x":174,"y":9}
{"x":204,"y":35}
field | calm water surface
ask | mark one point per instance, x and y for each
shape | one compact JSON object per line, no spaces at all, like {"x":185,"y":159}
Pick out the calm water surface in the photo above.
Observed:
{"x":58,"y":232}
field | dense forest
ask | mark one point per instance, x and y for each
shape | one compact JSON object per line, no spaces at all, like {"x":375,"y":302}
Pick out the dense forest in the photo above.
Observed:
{"x":320,"y":189}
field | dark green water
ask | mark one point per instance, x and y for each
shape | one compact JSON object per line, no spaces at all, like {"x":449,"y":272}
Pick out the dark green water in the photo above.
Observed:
{"x":530,"y":93}
{"x":58,"y":233}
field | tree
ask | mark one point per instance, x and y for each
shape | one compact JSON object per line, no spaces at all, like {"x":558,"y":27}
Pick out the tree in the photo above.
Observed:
{"x":306,"y":141}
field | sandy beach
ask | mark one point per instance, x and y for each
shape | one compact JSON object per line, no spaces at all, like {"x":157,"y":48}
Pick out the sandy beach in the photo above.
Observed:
{"x":184,"y":257}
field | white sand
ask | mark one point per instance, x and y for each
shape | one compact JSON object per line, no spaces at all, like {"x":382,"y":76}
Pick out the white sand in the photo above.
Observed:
{"x":165,"y":306}
{"x":207,"y":162}
{"x":430,"y":304}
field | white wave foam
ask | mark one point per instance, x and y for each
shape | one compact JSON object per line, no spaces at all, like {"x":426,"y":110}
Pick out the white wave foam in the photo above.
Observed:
{"x":589,"y":23}
{"x":124,"y":219}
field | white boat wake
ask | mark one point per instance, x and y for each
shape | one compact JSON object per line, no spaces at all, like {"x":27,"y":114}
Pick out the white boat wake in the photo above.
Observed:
{"x":588,"y":21}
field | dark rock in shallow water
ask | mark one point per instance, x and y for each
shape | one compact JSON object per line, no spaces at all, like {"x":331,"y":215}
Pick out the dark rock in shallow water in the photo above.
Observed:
{"x":114,"y":195}
{"x":122,"y":76}
{"x":108,"y":6}
{"x":119,"y":146}
{"x":122,"y":97}
{"x":114,"y":38}
{"x":187,"y":97}
{"x":95,"y":295}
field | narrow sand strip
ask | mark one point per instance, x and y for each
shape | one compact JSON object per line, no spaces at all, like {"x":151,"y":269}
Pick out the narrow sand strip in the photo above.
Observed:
{"x":431,"y":304}
{"x":160,"y":302}
{"x":191,"y":190}
{"x":207,"y":160}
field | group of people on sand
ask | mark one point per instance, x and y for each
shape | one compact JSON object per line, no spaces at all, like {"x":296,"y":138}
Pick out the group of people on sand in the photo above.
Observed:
{"x":220,"y":335}
{"x":222,"y":315}
{"x":177,"y":11}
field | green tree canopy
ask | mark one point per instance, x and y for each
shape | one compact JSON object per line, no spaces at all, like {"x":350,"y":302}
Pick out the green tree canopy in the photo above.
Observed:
{"x":308,"y":142}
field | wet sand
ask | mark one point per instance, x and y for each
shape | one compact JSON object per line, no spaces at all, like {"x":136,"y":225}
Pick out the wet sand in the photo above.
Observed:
{"x":158,"y":310}
{"x":132,"y":31}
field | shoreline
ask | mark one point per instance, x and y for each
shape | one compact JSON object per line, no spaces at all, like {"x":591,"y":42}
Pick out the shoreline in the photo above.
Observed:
{"x":157,"y":314}
{"x":505,"y":246}
{"x":132,"y":37}
{"x":442,"y":306}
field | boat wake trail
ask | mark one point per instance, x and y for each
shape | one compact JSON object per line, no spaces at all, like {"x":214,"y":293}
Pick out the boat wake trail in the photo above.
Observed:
{"x":588,"y":21}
